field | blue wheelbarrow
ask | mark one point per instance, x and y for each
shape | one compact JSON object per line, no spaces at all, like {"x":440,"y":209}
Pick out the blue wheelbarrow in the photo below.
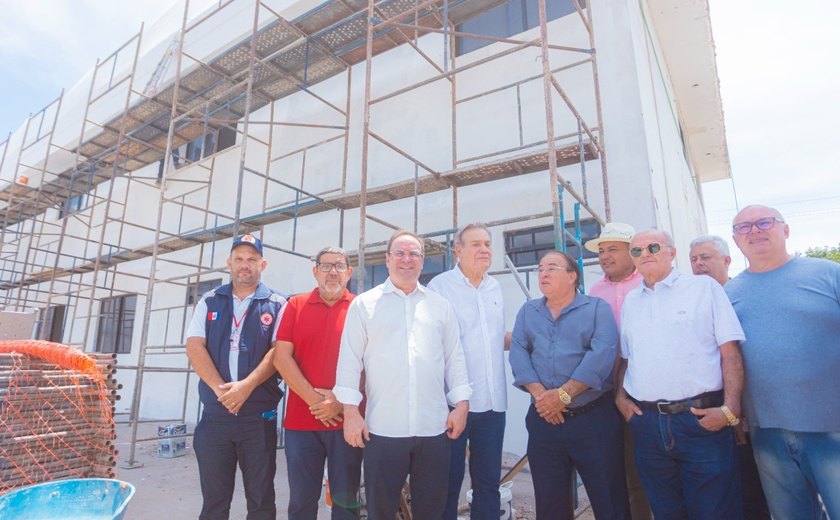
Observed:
{"x":74,"y":499}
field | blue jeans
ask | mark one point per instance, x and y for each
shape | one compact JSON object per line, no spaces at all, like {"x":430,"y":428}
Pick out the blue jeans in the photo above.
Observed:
{"x":795,"y":467}
{"x":591,"y":443}
{"x":222,"y":441}
{"x":485,"y":432}
{"x":306,"y":452}
{"x":755,"y":503}
{"x":688,"y":472}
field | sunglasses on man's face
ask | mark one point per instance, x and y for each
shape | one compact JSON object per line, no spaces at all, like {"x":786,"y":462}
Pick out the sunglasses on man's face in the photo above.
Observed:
{"x":653,"y":248}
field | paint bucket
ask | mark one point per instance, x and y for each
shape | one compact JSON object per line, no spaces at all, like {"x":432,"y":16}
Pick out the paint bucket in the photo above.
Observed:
{"x":328,"y":503}
{"x":506,"y":497}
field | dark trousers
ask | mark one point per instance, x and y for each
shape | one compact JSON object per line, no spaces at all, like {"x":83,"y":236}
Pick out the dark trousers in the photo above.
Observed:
{"x":591,"y":443}
{"x":755,"y":504}
{"x":306,"y":452}
{"x":220,"y":443}
{"x":639,"y":507}
{"x":485,"y":432}
{"x":688,"y":472}
{"x":389,"y":460}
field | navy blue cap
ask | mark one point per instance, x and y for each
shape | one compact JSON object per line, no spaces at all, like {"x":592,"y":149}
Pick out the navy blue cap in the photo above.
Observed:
{"x":248,"y":240}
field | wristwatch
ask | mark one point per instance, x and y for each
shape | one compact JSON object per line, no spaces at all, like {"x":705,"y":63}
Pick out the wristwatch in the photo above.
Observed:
{"x":730,"y":417}
{"x":564,"y":396}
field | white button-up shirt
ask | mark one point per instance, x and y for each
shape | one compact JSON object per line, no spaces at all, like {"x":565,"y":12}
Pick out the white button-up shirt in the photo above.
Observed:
{"x":409,"y":350}
{"x":671,"y":336}
{"x":481,"y":318}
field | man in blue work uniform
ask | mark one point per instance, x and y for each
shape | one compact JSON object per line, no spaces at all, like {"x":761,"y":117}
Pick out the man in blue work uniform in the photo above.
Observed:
{"x":229,"y":344}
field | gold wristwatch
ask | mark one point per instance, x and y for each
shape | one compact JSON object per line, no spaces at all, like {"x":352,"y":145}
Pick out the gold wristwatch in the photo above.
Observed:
{"x":564,"y":396}
{"x":730,"y":417}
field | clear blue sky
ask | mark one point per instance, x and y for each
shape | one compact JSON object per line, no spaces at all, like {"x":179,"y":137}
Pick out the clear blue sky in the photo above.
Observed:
{"x":777,"y":60}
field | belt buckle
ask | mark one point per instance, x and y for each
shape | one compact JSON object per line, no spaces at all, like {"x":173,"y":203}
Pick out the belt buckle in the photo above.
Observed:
{"x":659,"y":406}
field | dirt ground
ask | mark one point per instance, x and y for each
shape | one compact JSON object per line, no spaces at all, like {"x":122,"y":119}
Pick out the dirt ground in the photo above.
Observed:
{"x":168,"y":488}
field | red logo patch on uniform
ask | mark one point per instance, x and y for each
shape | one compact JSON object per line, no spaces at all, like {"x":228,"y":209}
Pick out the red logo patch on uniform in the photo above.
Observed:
{"x":266,"y":319}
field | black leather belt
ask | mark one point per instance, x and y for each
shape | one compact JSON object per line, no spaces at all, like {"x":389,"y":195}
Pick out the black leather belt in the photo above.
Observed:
{"x":706,"y":400}
{"x":591,"y":405}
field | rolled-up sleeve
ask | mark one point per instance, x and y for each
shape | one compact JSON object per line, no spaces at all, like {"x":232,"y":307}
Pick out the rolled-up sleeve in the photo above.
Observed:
{"x":455,"y":366}
{"x":351,"y":356}
{"x":726,"y":323}
{"x":520,"y":352}
{"x":596,"y":365}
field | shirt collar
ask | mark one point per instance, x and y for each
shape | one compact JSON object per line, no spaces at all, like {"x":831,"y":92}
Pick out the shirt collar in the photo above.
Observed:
{"x":243,"y":300}
{"x":539,"y":305}
{"x":261,"y":292}
{"x":389,"y":286}
{"x":465,"y":278}
{"x":315,"y":297}
{"x":670,"y":280}
{"x":629,"y":279}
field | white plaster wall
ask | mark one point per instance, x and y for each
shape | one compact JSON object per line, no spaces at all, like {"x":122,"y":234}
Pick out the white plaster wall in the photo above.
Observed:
{"x":676,"y":201}
{"x":650,"y":183}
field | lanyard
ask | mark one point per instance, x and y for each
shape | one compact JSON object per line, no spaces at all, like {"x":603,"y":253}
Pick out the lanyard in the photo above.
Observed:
{"x":237,"y":324}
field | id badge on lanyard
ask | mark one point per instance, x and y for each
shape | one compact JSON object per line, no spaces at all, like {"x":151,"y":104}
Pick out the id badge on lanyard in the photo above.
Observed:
{"x":235,"y":335}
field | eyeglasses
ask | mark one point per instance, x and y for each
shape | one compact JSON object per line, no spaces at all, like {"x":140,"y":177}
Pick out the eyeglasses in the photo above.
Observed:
{"x":413,"y":255}
{"x":552,"y":269}
{"x":763,"y":224}
{"x":326,"y":267}
{"x":653,"y":248}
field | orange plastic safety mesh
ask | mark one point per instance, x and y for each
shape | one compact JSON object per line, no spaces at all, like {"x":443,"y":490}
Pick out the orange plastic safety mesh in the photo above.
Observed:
{"x":56,"y":414}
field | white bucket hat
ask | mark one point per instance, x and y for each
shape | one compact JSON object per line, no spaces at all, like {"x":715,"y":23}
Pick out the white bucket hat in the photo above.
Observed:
{"x":612,"y":232}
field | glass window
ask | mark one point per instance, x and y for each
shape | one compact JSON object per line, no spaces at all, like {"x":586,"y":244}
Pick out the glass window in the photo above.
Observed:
{"x":226,"y":138}
{"x":378,"y":273}
{"x":116,"y":324}
{"x":508,"y":20}
{"x":196,"y":290}
{"x":201,"y":147}
{"x":73,"y":204}
{"x":432,"y":266}
{"x":51,"y":327}
{"x":194,"y":149}
{"x":526,"y":246}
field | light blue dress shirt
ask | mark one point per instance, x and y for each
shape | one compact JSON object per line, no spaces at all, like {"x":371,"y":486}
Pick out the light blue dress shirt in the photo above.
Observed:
{"x":580,"y":344}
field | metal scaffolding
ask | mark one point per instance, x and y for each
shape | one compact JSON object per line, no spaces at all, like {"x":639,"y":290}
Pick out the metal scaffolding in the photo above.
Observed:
{"x":236,"y":91}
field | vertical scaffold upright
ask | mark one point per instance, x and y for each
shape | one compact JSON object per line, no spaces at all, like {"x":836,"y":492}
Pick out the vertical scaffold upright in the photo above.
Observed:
{"x":53,"y":252}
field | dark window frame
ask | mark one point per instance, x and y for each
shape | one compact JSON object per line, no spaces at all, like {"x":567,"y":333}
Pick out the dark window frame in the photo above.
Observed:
{"x":526,"y":246}
{"x":195,"y":290}
{"x":377,"y":273}
{"x":73,"y":204}
{"x":116,"y":324}
{"x":51,"y":327}
{"x":509,"y":19}
{"x":202,"y":147}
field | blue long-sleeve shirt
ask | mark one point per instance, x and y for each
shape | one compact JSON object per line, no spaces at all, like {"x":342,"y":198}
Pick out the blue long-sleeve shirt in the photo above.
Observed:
{"x":580,"y":344}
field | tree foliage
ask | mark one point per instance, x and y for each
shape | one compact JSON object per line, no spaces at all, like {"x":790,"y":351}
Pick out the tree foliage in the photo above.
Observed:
{"x":829,"y":253}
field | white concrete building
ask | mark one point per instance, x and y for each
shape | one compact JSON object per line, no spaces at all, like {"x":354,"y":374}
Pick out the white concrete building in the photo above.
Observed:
{"x":119,"y":207}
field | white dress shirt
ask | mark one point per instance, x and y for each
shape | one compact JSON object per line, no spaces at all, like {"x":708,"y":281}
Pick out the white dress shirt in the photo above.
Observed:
{"x":671,"y":336}
{"x":408,"y":348}
{"x":481,"y":317}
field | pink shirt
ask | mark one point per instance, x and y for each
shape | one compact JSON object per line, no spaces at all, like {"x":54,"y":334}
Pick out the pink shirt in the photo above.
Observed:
{"x":614,"y":292}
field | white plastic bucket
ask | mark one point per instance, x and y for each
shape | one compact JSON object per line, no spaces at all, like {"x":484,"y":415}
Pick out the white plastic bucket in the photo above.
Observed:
{"x":506,"y":496}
